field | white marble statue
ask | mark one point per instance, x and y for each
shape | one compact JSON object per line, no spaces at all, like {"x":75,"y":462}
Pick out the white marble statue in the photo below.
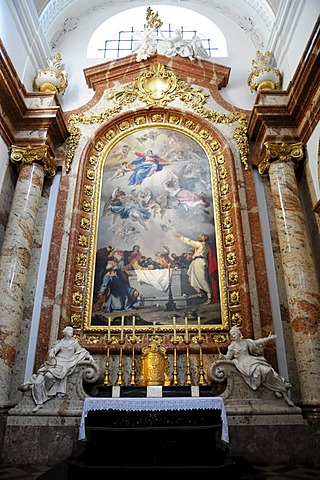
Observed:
{"x":170,"y":47}
{"x":198,"y":48}
{"x":51,"y":378}
{"x":246,"y":354}
{"x":146,"y":44}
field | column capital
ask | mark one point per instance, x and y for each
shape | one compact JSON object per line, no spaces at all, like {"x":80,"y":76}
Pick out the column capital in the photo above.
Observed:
{"x":281,"y":152}
{"x":34,"y":154}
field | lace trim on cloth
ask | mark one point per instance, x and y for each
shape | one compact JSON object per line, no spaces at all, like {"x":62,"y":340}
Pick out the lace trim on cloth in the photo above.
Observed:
{"x":143,"y":404}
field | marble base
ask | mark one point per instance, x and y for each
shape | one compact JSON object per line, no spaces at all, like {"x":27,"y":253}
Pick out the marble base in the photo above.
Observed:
{"x":49,"y":440}
{"x":266,"y":445}
{"x":40,"y":440}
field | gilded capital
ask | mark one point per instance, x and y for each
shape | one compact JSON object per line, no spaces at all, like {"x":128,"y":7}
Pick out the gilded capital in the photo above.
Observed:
{"x":38,"y":154}
{"x":281,"y":152}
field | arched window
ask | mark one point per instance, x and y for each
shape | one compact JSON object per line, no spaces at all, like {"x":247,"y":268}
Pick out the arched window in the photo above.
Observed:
{"x":116,"y":36}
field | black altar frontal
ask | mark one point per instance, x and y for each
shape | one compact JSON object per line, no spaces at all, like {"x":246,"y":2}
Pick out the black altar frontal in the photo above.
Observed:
{"x":154,"y":432}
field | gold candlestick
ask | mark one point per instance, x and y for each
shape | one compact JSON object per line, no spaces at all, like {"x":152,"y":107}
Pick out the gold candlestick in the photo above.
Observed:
{"x":188,"y":380}
{"x":186,"y":337}
{"x":106,"y":380}
{"x":199,"y":329}
{"x":133,"y":325}
{"x":120,"y":374}
{"x":174,"y":329}
{"x":175,"y":363}
{"x":202,"y":380}
{"x":109,"y":329}
{"x":132,"y":376}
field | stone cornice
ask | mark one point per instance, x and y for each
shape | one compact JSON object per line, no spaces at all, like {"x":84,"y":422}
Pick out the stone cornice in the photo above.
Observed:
{"x":200,"y":72}
{"x":291,"y":114}
{"x":24,"y":112}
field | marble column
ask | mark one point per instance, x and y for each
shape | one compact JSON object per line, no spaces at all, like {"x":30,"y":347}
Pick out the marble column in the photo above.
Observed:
{"x":298,"y":266}
{"x":33,"y":163}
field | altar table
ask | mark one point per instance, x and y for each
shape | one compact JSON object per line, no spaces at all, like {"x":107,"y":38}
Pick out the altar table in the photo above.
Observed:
{"x":155,"y":404}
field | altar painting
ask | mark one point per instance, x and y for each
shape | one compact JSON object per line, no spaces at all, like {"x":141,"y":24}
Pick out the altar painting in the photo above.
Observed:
{"x":156,"y":185}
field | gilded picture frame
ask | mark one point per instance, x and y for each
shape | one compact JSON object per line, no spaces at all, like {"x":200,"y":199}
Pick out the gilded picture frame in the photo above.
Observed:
{"x":156,"y":183}
{"x":157,"y":215}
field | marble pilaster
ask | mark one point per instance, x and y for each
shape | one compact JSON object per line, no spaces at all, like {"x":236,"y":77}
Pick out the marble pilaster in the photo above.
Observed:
{"x":34,"y":163}
{"x":298,"y":267}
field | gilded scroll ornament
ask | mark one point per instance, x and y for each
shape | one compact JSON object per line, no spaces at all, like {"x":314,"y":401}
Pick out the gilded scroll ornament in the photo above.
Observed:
{"x":77,"y":299}
{"x":229,"y":240}
{"x":233,"y":277}
{"x":79,"y":279}
{"x":36,"y":154}
{"x":227,"y":222}
{"x":236,"y":319}
{"x":81,"y":259}
{"x":159,"y":86}
{"x":231,"y":258}
{"x":282,"y":152}
{"x":86,"y":206}
{"x":234,"y":298}
{"x":224,"y":189}
{"x":76,"y":320}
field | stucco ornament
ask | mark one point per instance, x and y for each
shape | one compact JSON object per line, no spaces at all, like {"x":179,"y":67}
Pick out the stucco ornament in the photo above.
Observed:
{"x":53,"y":78}
{"x":152,"y":41}
{"x":264,"y":75}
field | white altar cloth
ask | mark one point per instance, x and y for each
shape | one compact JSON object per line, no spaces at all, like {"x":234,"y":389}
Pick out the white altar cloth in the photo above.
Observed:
{"x":144,"y":404}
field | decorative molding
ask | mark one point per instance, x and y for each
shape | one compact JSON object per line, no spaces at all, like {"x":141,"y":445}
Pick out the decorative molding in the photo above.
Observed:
{"x":295,"y":111}
{"x":37,"y":154}
{"x":281,"y":152}
{"x":158,"y":86}
{"x":24,"y":112}
{"x":263,"y":75}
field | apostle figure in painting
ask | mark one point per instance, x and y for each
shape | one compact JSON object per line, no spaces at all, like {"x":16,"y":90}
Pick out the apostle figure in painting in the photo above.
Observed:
{"x":198,"y":268}
{"x":116,"y":291}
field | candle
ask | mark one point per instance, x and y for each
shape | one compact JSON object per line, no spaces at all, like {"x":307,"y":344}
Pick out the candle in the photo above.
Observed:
{"x":109,"y":328}
{"x":186,"y":323}
{"x":174,"y":329}
{"x":199,"y":328}
{"x":122,"y":324}
{"x":133,"y":325}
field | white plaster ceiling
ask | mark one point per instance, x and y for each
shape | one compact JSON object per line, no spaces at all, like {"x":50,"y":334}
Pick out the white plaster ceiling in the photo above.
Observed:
{"x":60,"y":17}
